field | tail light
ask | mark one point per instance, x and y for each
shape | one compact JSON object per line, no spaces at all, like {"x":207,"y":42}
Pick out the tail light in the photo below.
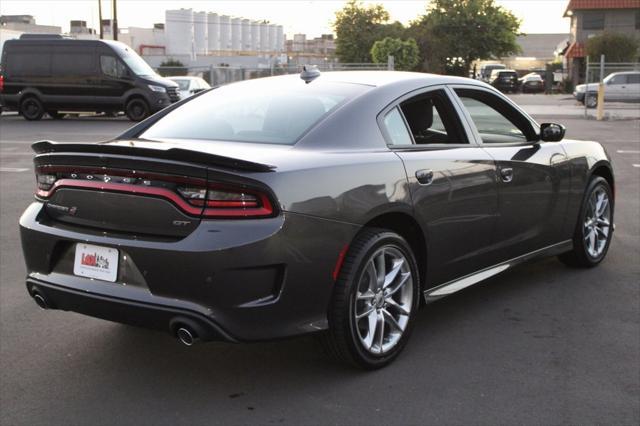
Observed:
{"x":1,"y":82}
{"x":222,"y":200}
{"x":194,"y":196}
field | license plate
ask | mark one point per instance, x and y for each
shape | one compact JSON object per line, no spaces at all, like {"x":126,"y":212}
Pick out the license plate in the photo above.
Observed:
{"x":96,"y":262}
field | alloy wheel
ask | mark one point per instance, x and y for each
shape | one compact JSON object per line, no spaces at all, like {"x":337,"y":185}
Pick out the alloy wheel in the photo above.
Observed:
{"x":383,"y":300}
{"x":597,"y":223}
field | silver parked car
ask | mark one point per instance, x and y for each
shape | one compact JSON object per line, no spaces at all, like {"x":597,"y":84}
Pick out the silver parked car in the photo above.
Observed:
{"x":189,"y":86}
{"x":618,"y":87}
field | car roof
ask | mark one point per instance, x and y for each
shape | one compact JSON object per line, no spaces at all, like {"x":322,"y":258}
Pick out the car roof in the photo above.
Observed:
{"x":625,"y":72}
{"x":381,"y":78}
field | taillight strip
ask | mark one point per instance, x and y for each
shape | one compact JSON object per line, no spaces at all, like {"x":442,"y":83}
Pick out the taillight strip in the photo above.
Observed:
{"x":265,"y":210}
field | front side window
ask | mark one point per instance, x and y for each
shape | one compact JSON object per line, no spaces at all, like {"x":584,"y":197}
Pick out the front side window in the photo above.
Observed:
{"x":112,"y":67}
{"x":254,"y":111}
{"x":618,"y":79}
{"x":633,"y":78}
{"x":495,"y":120}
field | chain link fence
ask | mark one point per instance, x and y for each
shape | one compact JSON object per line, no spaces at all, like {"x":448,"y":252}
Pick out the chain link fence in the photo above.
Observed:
{"x":217,"y":75}
{"x":619,"y":91}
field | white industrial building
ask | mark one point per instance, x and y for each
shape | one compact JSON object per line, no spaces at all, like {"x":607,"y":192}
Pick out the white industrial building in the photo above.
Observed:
{"x":189,"y":33}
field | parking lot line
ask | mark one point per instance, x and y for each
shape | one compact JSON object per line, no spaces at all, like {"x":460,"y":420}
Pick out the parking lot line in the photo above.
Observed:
{"x":636,"y":165}
{"x":622,"y":151}
{"x":13,"y":169}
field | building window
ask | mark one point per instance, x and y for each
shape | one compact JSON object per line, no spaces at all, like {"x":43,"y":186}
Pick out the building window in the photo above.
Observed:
{"x":593,"y":21}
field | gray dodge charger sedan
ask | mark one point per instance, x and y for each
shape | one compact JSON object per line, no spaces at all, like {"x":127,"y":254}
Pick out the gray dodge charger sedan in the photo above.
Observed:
{"x":334,"y":204}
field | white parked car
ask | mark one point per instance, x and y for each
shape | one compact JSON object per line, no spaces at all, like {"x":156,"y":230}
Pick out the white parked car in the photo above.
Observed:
{"x":189,"y":86}
{"x":618,"y":87}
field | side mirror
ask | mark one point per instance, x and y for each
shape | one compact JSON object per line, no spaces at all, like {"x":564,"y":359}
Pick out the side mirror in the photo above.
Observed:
{"x":552,"y":132}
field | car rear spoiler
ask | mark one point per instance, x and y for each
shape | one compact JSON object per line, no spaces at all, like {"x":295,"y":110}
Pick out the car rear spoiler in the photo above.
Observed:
{"x":177,"y":154}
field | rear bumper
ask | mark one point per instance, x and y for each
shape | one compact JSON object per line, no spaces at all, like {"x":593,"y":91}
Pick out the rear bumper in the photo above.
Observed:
{"x":244,"y":280}
{"x":163,"y":317}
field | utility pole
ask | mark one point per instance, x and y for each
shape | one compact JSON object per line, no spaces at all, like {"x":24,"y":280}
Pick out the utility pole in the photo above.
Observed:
{"x":115,"y":19}
{"x":100,"y":19}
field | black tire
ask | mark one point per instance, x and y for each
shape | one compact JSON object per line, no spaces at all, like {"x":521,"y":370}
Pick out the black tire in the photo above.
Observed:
{"x":137,"y":109}
{"x":31,"y":108}
{"x":341,"y":342}
{"x":580,"y":257}
{"x":591,"y":100}
{"x":56,"y":115}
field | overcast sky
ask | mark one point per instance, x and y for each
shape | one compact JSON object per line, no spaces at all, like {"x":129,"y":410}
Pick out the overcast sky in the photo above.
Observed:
{"x":298,"y":16}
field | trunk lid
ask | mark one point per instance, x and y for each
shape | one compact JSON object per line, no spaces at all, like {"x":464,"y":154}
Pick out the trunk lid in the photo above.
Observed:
{"x":142,"y":188}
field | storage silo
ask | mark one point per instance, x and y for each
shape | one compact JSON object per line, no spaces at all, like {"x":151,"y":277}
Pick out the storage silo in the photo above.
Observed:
{"x":264,"y":37}
{"x":255,"y":36}
{"x":213,"y":32}
{"x":245,"y":35}
{"x":280,"y":39}
{"x":200,"y":32}
{"x":236,"y":42}
{"x":225,"y":33}
{"x":179,"y":31}
{"x":273,"y":34}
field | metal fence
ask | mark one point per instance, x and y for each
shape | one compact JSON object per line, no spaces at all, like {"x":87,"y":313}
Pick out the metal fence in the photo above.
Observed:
{"x":597,"y":72}
{"x":219,"y":75}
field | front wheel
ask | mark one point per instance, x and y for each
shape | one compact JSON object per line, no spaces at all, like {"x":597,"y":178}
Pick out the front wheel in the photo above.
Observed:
{"x":137,"y":109}
{"x":591,"y":101}
{"x":594,"y":229}
{"x":374,"y":302}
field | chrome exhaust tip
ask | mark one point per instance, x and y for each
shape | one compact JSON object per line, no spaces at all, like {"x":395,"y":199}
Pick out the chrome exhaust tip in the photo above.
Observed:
{"x":40,"y":301}
{"x":186,"y":336}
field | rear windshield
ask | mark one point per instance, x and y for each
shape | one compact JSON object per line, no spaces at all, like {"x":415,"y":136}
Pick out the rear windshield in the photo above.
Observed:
{"x":265,"y":111}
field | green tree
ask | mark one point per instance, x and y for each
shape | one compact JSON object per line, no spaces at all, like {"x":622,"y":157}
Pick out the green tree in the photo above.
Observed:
{"x":454,"y":33}
{"x":615,"y":47}
{"x":405,"y":53}
{"x":357,"y":27}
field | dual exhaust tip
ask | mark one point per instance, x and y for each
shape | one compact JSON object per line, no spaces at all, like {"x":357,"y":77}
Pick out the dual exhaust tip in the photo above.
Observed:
{"x":187,"y":336}
{"x":185,"y":333}
{"x":41,"y":300}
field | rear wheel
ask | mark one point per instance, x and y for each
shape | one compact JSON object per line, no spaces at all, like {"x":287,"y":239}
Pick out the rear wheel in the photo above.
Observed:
{"x":374,"y":302}
{"x":137,"y":109}
{"x":31,"y":108}
{"x":594,"y":229}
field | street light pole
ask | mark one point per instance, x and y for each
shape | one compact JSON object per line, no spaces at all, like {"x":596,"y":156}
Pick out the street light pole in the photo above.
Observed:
{"x":100,"y":19}
{"x":115,"y":19}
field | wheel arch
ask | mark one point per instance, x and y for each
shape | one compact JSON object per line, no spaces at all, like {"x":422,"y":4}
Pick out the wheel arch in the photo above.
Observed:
{"x":408,"y":228}
{"x":604,"y":170}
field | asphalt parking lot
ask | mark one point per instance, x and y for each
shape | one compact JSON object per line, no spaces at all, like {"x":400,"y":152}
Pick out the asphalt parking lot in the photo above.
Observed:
{"x":540,"y":344}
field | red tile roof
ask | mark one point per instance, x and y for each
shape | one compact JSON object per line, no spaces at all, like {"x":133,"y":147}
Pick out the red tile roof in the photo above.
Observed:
{"x":601,"y":4}
{"x":576,"y":50}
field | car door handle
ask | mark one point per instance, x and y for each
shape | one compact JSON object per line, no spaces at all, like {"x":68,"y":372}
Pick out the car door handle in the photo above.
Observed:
{"x":425,"y":177}
{"x":506,"y":174}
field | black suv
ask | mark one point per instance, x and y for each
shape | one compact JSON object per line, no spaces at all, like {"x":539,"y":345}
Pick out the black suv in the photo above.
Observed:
{"x":53,"y":74}
{"x":504,"y":80}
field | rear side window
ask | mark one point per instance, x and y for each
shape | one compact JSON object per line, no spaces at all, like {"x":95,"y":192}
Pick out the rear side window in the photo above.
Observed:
{"x":397,"y":130}
{"x":72,"y":63}
{"x":432,"y":119}
{"x":277,"y":112}
{"x":633,"y":78}
{"x":28,"y":64}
